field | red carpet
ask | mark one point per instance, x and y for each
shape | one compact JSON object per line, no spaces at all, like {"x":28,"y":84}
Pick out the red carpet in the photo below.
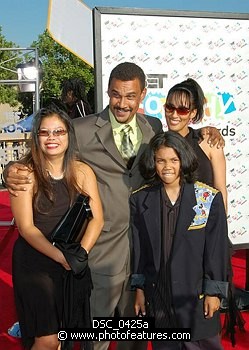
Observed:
{"x":7,"y":309}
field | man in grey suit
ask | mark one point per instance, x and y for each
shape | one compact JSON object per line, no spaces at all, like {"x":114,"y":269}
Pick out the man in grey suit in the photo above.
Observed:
{"x":99,"y":139}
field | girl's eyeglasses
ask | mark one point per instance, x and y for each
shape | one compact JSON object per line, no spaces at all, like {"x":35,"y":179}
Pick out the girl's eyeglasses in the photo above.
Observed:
{"x":179,"y":110}
{"x":55,"y":132}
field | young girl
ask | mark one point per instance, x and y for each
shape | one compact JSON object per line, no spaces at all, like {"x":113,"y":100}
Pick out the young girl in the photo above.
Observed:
{"x":180,"y":245}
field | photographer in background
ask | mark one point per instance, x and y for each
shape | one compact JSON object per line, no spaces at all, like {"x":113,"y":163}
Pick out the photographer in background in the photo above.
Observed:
{"x":73,"y":95}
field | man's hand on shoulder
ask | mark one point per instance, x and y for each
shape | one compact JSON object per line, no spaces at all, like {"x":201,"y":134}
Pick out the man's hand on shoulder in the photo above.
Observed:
{"x":16,"y":176}
{"x":213,"y":136}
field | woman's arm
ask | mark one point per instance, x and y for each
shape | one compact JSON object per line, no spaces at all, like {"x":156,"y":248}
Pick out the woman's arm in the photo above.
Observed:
{"x":218,"y":162}
{"x":88,"y":184}
{"x":22,"y":210}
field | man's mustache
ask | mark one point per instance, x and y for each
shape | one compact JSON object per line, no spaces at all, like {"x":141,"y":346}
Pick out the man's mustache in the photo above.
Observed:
{"x":123,"y":109}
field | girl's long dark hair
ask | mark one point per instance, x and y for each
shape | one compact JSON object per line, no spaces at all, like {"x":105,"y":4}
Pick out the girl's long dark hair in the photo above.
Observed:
{"x":171,"y":139}
{"x":36,"y":160}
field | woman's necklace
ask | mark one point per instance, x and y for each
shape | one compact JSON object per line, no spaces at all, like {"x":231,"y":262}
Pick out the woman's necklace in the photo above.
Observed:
{"x":60,"y":177}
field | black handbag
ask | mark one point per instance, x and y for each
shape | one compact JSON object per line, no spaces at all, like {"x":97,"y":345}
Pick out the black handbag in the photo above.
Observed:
{"x":72,"y":226}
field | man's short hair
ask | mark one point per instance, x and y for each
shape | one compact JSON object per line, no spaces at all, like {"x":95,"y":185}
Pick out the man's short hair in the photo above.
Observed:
{"x":128,"y":71}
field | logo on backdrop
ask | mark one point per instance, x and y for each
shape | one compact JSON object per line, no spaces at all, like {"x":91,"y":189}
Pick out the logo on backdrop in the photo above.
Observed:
{"x":220,"y":104}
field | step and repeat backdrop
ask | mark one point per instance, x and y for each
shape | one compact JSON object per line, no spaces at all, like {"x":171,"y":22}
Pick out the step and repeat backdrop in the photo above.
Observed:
{"x":212,"y":48}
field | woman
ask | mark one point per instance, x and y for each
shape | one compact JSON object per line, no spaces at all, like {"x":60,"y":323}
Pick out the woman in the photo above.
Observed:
{"x":180,"y":243}
{"x":184,"y":105}
{"x":38,"y":266}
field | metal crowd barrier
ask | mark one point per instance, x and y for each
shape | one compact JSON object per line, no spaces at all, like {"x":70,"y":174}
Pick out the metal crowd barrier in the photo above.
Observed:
{"x":12,"y":147}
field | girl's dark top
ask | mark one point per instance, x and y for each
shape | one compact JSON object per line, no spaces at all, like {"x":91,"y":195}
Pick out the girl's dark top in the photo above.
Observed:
{"x":161,"y":302}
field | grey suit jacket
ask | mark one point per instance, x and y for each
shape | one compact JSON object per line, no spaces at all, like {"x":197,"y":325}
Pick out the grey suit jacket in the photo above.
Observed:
{"x":97,"y":148}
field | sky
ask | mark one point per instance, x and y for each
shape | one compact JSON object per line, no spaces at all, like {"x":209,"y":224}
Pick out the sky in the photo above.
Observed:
{"x":23,"y":20}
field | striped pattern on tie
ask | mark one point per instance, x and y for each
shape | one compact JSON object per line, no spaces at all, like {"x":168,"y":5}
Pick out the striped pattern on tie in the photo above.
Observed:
{"x":127,"y":148}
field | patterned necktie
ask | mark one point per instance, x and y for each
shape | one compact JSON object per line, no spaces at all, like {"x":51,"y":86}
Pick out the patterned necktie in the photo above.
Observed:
{"x":127,"y":149}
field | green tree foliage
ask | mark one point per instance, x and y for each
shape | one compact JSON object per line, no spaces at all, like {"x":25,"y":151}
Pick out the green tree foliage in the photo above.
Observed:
{"x":59,"y":64}
{"x":8,"y":62}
